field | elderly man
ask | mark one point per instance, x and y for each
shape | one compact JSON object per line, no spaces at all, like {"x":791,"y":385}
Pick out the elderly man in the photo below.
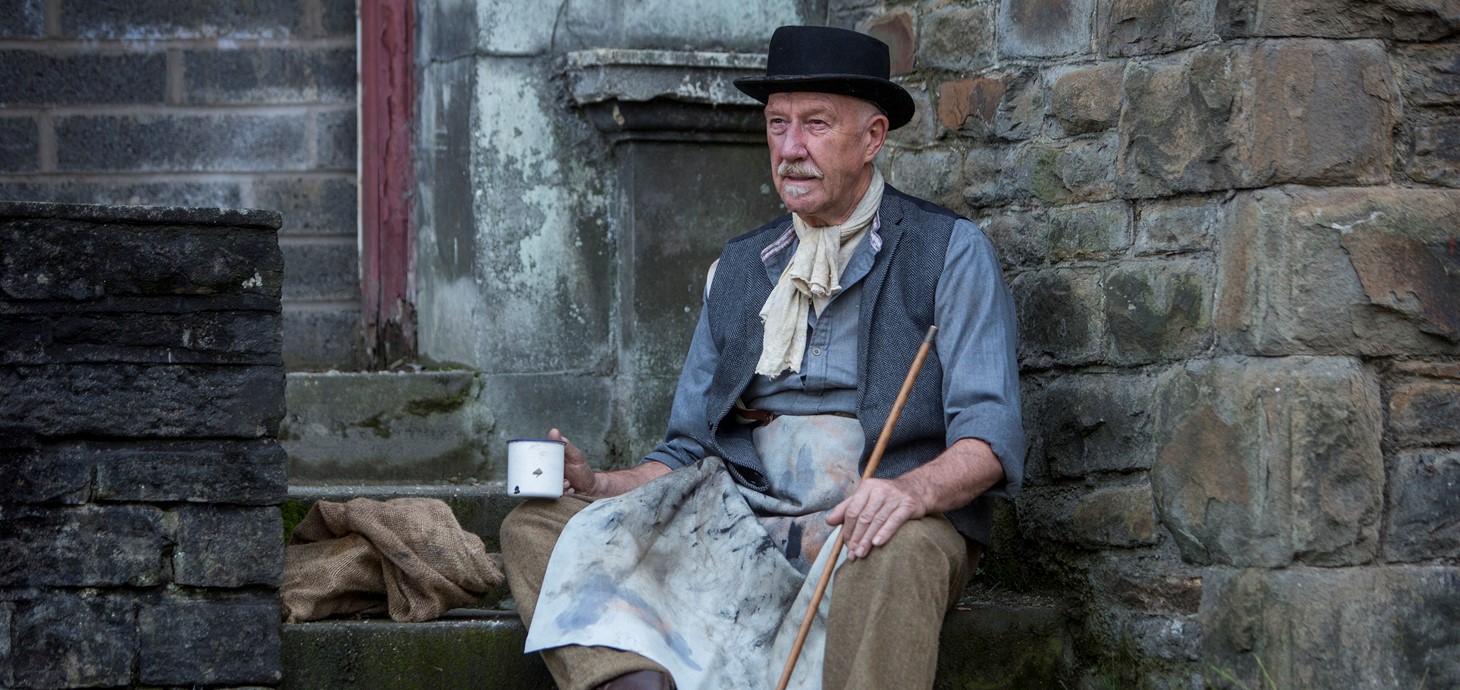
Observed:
{"x":809,"y":326}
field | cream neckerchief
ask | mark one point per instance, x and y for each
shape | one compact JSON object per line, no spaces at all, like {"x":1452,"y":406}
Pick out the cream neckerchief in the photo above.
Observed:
{"x":811,"y":280}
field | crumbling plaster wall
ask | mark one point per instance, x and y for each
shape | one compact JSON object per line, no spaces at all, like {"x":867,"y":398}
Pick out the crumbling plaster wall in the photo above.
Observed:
{"x":523,"y":209}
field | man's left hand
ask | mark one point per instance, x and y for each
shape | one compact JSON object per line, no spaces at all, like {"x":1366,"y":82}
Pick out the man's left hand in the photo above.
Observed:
{"x":878,"y":507}
{"x":873,"y":513}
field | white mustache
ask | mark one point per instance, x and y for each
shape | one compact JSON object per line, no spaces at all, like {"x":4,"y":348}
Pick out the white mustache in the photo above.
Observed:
{"x":800,"y":169}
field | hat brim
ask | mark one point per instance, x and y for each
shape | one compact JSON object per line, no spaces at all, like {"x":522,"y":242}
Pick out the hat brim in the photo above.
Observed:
{"x":893,"y":99}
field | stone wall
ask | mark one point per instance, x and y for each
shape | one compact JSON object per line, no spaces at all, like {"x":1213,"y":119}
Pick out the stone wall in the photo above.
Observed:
{"x":1231,"y":228}
{"x":234,"y":105}
{"x":140,"y":538}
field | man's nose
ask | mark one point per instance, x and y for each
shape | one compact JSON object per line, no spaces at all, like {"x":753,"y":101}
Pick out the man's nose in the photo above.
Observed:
{"x":793,"y":145}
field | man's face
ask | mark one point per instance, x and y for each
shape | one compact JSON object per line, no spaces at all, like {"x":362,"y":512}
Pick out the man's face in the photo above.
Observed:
{"x":821,"y":145}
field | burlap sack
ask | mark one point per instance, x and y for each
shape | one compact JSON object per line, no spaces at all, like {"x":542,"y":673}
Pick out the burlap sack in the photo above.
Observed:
{"x":406,"y":556}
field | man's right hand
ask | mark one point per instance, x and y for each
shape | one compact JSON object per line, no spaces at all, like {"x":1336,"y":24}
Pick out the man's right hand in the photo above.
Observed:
{"x":578,"y":477}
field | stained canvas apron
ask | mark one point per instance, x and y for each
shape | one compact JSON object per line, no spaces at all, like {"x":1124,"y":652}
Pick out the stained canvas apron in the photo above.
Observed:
{"x":704,"y":576}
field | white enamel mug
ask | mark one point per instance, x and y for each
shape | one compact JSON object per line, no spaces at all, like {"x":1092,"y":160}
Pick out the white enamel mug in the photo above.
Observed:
{"x":535,"y":468}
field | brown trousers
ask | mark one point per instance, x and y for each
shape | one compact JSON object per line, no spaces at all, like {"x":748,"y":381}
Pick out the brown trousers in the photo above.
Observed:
{"x":884,"y":622}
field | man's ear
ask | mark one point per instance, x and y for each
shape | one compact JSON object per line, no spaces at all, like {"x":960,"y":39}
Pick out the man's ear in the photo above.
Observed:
{"x":876,"y":137}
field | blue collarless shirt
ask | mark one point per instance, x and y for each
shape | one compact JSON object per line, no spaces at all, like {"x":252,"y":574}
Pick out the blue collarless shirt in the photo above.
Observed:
{"x":975,"y":343}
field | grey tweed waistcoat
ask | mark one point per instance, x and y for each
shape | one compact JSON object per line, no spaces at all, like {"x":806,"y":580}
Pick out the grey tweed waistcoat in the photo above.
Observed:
{"x":896,"y":311}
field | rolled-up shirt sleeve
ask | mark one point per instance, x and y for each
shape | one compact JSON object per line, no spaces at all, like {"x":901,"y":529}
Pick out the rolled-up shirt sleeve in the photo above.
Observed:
{"x":976,"y":346}
{"x":687,"y":417}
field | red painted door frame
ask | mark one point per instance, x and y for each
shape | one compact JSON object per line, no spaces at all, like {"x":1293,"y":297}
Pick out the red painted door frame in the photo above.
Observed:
{"x":387,"y":242}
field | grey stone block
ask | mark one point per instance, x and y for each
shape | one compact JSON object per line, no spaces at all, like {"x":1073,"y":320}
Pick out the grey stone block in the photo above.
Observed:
{"x":1016,"y":236}
{"x":1062,"y":316}
{"x":50,"y":259}
{"x":1145,"y":584}
{"x":1087,"y":99}
{"x":1339,"y":271}
{"x":1424,"y":412}
{"x":961,"y":39}
{"x":323,"y":339}
{"x":1298,"y":472}
{"x":242,"y":473}
{"x":1096,"y":232}
{"x":1171,"y":226}
{"x":321,"y":272}
{"x":1176,"y":138}
{"x":1101,"y":517}
{"x":1430,"y":73}
{"x":125,"y":400}
{"x":35,"y":475}
{"x":119,"y":19}
{"x":25,"y":18}
{"x":971,"y":106}
{"x":1424,"y":506}
{"x":1045,"y":28}
{"x":223,"y":546}
{"x":1399,"y":20}
{"x":337,"y":140}
{"x":311,"y":205}
{"x":989,"y":179}
{"x":896,"y":30}
{"x":932,"y":174}
{"x":1158,"y":311}
{"x":19,"y":145}
{"x":207,"y":337}
{"x":217,"y":194}
{"x":181,"y":143}
{"x":1358,"y":628}
{"x":386,"y":427}
{"x":269,"y":75}
{"x":74,"y":639}
{"x":221,"y":641}
{"x":1091,"y":423}
{"x":1434,"y":157}
{"x":1181,"y":132}
{"x":81,"y":547}
{"x":34,"y":77}
{"x":1149,"y":27}
{"x":1080,"y":170}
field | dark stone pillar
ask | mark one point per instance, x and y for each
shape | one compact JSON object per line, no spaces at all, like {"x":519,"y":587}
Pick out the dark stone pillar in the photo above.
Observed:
{"x":144,"y":385}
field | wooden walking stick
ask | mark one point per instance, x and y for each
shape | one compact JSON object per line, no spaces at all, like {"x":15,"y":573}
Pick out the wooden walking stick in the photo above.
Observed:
{"x":836,"y":545}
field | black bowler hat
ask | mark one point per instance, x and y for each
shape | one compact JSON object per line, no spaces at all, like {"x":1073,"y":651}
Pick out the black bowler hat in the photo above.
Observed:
{"x":824,"y":59}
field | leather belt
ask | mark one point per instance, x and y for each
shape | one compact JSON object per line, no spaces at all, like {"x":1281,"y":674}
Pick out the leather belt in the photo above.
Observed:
{"x":759,"y":418}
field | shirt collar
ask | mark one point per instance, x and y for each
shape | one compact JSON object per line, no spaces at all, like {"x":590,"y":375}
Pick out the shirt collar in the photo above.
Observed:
{"x":777,"y":254}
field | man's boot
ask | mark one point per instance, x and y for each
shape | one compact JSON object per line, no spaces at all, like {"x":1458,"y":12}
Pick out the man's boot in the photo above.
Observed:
{"x":639,"y":680}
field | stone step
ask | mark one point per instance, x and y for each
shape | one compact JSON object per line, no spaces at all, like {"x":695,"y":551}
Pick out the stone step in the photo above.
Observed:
{"x":386,"y":427}
{"x":466,"y":648}
{"x":1015,"y":643}
{"x":479,"y":508}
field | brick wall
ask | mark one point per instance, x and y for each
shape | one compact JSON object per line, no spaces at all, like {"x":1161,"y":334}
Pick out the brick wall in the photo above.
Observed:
{"x":140,"y":538}
{"x":1231,"y":230}
{"x":235,"y":105}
